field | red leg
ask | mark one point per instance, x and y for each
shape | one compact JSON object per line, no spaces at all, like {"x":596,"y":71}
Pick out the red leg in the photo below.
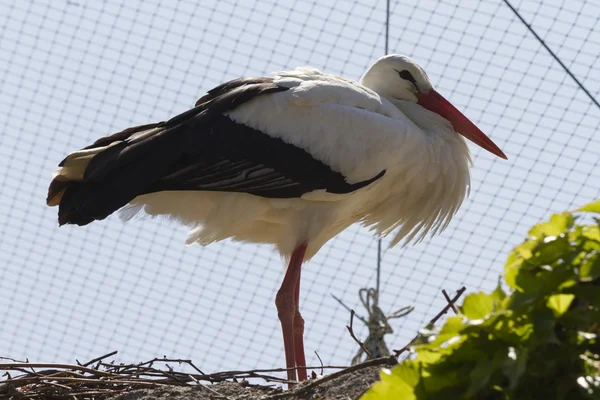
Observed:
{"x":287,"y":308}
{"x":299,"y":335}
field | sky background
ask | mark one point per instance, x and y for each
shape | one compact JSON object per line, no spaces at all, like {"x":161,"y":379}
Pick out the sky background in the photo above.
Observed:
{"x":72,"y":71}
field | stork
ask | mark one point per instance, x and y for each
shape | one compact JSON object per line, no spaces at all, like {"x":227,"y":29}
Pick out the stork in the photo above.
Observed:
{"x":291,"y":160}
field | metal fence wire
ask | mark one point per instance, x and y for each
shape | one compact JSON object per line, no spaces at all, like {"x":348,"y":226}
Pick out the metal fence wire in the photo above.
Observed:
{"x":72,"y":71}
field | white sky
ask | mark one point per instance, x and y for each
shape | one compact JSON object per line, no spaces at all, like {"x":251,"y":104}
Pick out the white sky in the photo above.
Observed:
{"x":71,"y":72}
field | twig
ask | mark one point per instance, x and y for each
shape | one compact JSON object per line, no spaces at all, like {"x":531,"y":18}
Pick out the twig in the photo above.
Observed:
{"x":350,"y":310}
{"x":60,"y":386}
{"x":321,"y":361}
{"x":351,"y":330}
{"x":14,"y":360}
{"x":191,"y":364}
{"x":149,"y":363}
{"x":91,"y":380}
{"x":450,"y":304}
{"x":112,"y":353}
{"x":450,"y":301}
{"x":229,"y":373}
{"x":58,"y":366}
{"x":374,"y":345}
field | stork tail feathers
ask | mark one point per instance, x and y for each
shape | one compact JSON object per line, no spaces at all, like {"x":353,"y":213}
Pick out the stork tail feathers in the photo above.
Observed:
{"x":92,"y":183}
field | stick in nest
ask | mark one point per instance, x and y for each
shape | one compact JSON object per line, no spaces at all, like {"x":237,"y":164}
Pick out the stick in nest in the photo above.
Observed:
{"x":44,"y":380}
{"x":378,"y":324}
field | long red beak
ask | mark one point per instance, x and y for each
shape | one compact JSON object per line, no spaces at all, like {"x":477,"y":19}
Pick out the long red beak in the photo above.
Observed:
{"x":433,"y":101}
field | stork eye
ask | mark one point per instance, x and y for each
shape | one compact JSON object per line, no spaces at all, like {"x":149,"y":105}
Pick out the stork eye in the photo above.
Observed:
{"x":404,"y":74}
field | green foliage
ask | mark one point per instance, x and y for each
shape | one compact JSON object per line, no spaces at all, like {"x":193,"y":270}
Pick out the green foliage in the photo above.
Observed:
{"x":539,"y":341}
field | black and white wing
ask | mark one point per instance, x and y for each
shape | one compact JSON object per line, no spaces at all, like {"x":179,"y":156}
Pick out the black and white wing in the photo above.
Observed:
{"x":201,"y":149}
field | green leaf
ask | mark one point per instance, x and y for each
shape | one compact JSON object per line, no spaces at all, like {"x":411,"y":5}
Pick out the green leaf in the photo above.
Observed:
{"x":567,"y":284}
{"x":544,"y":327}
{"x":520,"y":255}
{"x":591,"y":207}
{"x":485,"y":369}
{"x":559,"y":303}
{"x":511,"y":269}
{"x":525,"y":249}
{"x":515,"y":365}
{"x":527,"y":281}
{"x":426,"y":356}
{"x":498,"y":295}
{"x":551,"y":249}
{"x":591,"y":232}
{"x":408,"y":372}
{"x":559,"y":223}
{"x":391,"y":387}
{"x":581,"y":318}
{"x":527,"y":274}
{"x":452,"y":328}
{"x":445,"y":375}
{"x":589,"y":293}
{"x":513,"y":330}
{"x":477,"y":305}
{"x":480,"y":376}
{"x":548,"y":279}
{"x":590,"y":267}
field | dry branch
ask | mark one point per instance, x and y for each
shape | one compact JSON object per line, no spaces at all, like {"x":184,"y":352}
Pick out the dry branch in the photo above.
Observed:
{"x":25,"y":380}
{"x":449,"y":306}
{"x":351,"y":331}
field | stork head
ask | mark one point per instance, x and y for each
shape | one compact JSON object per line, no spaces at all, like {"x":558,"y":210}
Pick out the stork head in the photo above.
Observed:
{"x":400,"y":78}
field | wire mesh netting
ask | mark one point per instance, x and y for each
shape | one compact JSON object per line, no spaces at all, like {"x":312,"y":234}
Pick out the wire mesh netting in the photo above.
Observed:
{"x":74,"y":71}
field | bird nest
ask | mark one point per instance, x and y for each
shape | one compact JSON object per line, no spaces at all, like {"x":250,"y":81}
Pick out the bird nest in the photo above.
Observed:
{"x":99,"y":379}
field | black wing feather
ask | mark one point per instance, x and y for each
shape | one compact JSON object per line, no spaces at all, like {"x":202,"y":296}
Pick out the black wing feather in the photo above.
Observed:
{"x":200,"y":149}
{"x":235,"y":157}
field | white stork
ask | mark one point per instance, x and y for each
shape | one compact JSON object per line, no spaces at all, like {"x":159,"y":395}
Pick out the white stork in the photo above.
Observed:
{"x":290,"y":160}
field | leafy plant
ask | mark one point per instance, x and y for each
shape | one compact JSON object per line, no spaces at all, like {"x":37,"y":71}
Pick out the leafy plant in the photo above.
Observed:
{"x":538,"y":341}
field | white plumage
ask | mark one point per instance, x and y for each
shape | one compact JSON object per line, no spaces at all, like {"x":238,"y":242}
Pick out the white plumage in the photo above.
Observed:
{"x":356,"y":132}
{"x":391,"y":130}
